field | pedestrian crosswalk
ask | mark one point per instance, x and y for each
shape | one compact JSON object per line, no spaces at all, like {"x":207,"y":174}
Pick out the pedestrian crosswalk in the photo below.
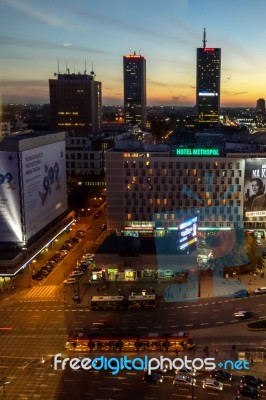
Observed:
{"x":44,"y":291}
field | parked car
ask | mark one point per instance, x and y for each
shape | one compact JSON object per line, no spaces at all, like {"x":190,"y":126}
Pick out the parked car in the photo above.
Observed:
{"x":76,"y":273}
{"x":260,"y":290}
{"x":80,"y":233}
{"x":70,"y":281}
{"x":38,"y":276}
{"x":44,"y":271}
{"x":103,"y":227}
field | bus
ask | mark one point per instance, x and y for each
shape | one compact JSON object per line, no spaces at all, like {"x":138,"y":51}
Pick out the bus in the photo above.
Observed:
{"x":113,"y":343}
{"x":139,"y":301}
{"x":180,"y":341}
{"x":107,"y":303}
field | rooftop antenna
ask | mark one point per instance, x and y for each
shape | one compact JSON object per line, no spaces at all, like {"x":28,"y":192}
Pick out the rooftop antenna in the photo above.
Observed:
{"x":74,"y":68}
{"x":204,"y":41}
{"x":130,"y":52}
{"x":92,"y":72}
{"x":139,"y":52}
{"x":85,"y":71}
{"x":56,"y":74}
{"x":67,"y":69}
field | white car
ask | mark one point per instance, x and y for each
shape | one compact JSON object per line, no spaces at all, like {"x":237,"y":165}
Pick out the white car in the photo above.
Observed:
{"x":241,"y":314}
{"x":76,"y":273}
{"x":184,"y":380}
{"x":70,"y":281}
{"x":212,"y":384}
{"x":260,"y":290}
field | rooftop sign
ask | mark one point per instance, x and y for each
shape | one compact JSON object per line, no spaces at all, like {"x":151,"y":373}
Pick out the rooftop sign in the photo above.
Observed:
{"x":198,"y":152}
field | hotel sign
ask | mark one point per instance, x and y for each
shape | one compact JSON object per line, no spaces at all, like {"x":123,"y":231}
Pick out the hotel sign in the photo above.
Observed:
{"x":195,"y":152}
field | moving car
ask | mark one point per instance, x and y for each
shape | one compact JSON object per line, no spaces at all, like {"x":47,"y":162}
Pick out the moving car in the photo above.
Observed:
{"x":212,"y":384}
{"x":242,"y":314}
{"x":186,"y":371}
{"x":248,"y":391}
{"x":102,"y":323}
{"x":184,"y":380}
{"x":154,"y":377}
{"x":221,"y":375}
{"x":260,"y":290}
{"x":241,"y":293}
{"x":251,"y":380}
{"x":76,"y":294}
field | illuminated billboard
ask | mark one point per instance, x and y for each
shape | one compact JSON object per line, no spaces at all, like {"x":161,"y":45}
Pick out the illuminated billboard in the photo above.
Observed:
{"x":10,"y":217}
{"x":44,"y":185}
{"x":254,"y":190}
{"x":187,"y":233}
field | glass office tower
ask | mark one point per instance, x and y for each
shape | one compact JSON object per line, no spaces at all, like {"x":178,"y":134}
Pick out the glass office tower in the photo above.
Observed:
{"x":208,"y":85}
{"x":135,"y":89}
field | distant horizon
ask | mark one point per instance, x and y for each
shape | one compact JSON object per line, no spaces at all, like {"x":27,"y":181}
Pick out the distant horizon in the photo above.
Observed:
{"x":39,"y":38}
{"x":121,"y":105}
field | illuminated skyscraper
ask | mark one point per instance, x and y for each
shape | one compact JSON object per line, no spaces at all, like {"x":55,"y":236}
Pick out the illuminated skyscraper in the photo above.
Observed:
{"x":76,"y":103}
{"x":135,"y":89}
{"x":208,"y":85}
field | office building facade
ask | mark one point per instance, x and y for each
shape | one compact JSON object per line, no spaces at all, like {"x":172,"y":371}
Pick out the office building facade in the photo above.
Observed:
{"x":150,"y":187}
{"x":208,"y":78}
{"x":76,"y":103}
{"x":135,"y":112}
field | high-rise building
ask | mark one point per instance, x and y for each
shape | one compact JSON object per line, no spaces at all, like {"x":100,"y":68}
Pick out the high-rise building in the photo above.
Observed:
{"x":208,"y":85}
{"x":76,"y":103}
{"x":260,"y":106}
{"x":135,"y":89}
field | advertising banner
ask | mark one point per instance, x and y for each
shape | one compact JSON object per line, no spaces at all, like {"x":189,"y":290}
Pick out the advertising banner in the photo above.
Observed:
{"x":254,"y":190}
{"x":10,"y":218}
{"x":44,"y":185}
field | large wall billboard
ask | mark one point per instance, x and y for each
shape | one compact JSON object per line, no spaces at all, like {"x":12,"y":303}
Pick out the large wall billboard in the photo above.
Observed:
{"x":254,"y":190}
{"x":10,"y":218}
{"x":44,"y":185}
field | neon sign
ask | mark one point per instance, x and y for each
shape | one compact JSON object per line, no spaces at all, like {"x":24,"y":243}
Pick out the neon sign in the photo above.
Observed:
{"x":198,"y":152}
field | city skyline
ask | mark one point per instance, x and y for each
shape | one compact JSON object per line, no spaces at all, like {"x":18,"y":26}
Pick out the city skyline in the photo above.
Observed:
{"x":38,"y":37}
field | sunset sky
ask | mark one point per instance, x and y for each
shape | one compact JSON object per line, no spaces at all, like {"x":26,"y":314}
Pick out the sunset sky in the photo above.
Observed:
{"x":35,"y":34}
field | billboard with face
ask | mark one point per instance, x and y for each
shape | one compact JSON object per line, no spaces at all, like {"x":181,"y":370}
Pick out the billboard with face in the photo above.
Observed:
{"x":10,"y":217}
{"x":254,"y":190}
{"x":44,"y":185}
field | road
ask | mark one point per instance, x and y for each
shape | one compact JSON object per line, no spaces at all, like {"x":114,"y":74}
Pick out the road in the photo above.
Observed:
{"x":45,"y":315}
{"x":40,"y":329}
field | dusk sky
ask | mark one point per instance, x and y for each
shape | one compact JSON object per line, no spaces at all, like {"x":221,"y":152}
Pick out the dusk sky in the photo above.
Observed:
{"x":35,"y":34}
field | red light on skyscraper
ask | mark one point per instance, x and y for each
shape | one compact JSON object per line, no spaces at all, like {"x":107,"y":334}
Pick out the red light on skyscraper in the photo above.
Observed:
{"x":209,"y":49}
